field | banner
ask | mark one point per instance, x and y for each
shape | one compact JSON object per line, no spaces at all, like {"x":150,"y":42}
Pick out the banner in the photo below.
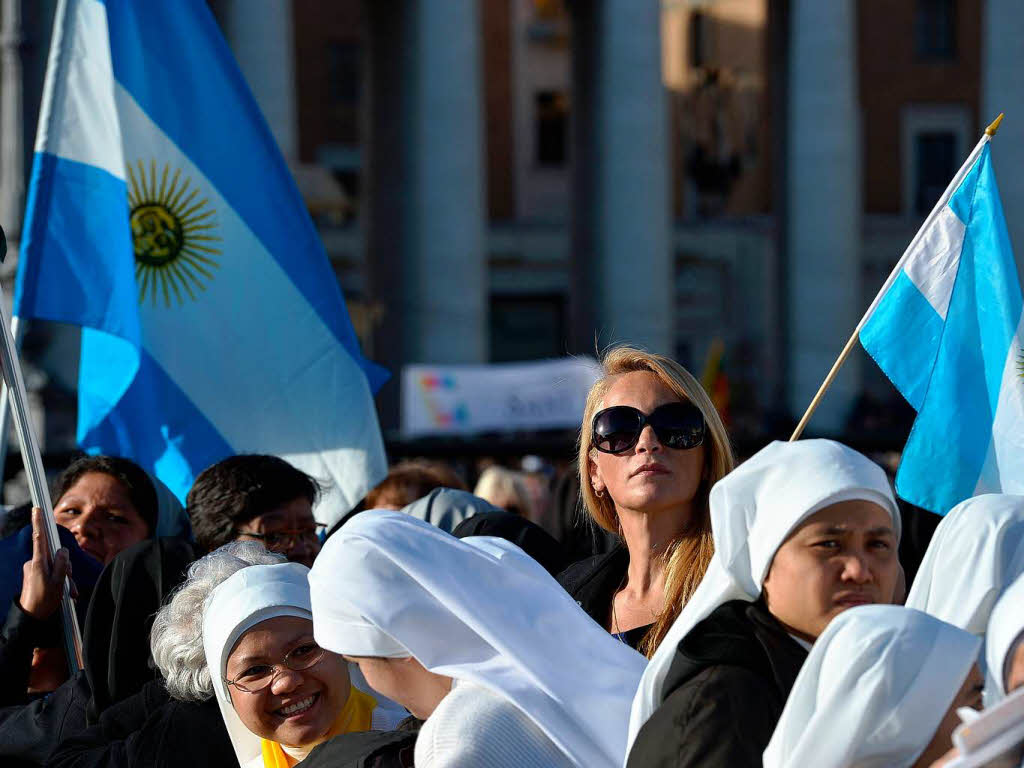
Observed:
{"x":502,"y":397}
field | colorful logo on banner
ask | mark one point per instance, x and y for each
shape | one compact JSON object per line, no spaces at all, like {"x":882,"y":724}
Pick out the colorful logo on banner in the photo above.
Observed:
{"x":438,"y":392}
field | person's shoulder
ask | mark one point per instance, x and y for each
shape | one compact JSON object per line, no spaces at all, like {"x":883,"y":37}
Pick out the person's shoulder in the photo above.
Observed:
{"x":578,"y":574}
{"x":474,"y":726}
{"x":721,"y":716}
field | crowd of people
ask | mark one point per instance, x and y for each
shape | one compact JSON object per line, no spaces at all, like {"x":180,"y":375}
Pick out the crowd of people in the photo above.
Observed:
{"x":720,"y":613}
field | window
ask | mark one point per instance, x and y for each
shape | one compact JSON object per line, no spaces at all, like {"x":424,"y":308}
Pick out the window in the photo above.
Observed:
{"x":527,"y":327}
{"x":935,"y":29}
{"x":343,"y":84}
{"x":935,"y":163}
{"x":552,"y":116}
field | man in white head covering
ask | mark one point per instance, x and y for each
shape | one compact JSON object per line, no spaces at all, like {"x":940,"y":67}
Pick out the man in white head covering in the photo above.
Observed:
{"x":477,"y":638}
{"x":1004,"y":644}
{"x":880,"y":687}
{"x":976,"y":552}
{"x":802,"y":532}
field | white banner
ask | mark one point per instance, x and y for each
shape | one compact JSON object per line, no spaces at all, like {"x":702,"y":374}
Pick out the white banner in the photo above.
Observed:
{"x":503,"y":397}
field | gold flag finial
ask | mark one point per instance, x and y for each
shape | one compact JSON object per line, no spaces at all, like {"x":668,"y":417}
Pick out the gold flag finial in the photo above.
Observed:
{"x":991,"y":130}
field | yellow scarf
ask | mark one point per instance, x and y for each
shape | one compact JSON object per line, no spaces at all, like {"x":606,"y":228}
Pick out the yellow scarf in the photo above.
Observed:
{"x":354,"y":717}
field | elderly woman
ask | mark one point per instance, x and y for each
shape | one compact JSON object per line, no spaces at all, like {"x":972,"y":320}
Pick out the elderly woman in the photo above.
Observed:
{"x":479,"y":640}
{"x":651,"y":446}
{"x":802,"y":532}
{"x":881,"y":686}
{"x":240,"y":629}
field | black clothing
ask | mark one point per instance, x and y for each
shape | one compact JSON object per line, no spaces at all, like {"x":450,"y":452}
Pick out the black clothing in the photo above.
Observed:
{"x":528,"y":536}
{"x":572,"y":526}
{"x":918,"y":528}
{"x":127,"y":596}
{"x":149,"y":730}
{"x":20,"y":636}
{"x":593,"y":583}
{"x":724,"y":692}
{"x":370,"y":749}
{"x":116,"y":648}
{"x":29,"y":733}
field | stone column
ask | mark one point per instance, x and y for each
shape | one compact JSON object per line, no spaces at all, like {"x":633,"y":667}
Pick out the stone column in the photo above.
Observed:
{"x":824,"y":206}
{"x":445,"y":269}
{"x":621,"y":250}
{"x":261,"y":36}
{"x":1001,"y":91}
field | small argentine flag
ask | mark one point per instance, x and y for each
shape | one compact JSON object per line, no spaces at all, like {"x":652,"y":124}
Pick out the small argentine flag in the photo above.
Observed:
{"x":947,"y":331}
{"x":162,"y":219}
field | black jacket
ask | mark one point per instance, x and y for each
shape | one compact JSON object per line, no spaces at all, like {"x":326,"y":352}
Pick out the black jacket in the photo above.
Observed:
{"x":724,"y":692}
{"x":593,"y":583}
{"x":369,"y":749}
{"x":149,"y":730}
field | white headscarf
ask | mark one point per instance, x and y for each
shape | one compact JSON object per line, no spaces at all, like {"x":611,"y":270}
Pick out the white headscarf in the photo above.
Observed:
{"x":481,"y":610}
{"x":1005,"y":630}
{"x":753,"y":511}
{"x":873,"y":690}
{"x":242,"y":601}
{"x":976,"y":552}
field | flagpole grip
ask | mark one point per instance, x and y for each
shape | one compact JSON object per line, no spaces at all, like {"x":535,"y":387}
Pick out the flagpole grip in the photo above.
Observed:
{"x":825,"y":386}
{"x":33,"y":460}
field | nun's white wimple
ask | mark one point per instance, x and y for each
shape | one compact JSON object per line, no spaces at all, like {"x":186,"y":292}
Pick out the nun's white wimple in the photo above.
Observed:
{"x":873,"y":690}
{"x":1005,"y":627}
{"x":242,"y":601}
{"x":753,"y":511}
{"x":986,"y":532}
{"x":481,"y":610}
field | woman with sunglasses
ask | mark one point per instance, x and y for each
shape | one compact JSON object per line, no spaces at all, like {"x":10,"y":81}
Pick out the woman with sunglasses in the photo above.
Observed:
{"x":651,"y":446}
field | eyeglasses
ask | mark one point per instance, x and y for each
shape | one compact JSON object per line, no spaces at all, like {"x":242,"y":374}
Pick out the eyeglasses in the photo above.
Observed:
{"x":286,"y":539}
{"x":259,"y":676}
{"x":677,"y":425}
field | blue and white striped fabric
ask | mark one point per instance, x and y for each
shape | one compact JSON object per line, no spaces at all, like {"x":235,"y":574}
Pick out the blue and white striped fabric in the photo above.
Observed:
{"x":162,"y":218}
{"x":947,"y":332}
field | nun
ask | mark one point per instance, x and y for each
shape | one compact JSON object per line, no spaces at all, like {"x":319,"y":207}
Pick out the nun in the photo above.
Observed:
{"x":1004,"y":645}
{"x":802,"y":532}
{"x":477,"y":639}
{"x":881,"y":686}
{"x":280,"y":693}
{"x":976,"y":553}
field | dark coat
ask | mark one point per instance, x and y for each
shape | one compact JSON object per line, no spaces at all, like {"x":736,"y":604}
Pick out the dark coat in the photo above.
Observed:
{"x":150,"y":730}
{"x":593,"y":583}
{"x":369,"y":749}
{"x":724,"y":692}
{"x":117,"y":664}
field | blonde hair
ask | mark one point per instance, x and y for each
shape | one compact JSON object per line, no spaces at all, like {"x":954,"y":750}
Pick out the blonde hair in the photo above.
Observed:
{"x":689,"y":555}
{"x":501,"y":486}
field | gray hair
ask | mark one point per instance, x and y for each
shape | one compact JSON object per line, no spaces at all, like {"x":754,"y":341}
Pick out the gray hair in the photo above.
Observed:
{"x":176,"y":641}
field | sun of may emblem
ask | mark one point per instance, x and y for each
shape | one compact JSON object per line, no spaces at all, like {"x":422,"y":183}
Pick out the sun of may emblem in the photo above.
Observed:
{"x":173,"y":234}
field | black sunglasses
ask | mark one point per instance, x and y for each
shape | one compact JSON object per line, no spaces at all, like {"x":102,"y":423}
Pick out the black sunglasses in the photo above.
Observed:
{"x":677,"y":425}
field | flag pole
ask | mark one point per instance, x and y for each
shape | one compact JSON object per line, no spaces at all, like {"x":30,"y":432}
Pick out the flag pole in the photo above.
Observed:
{"x":10,"y":367}
{"x":990,"y":131}
{"x":18,"y":332}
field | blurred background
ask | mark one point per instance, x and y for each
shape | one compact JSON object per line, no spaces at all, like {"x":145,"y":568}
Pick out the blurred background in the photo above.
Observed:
{"x":725,"y":181}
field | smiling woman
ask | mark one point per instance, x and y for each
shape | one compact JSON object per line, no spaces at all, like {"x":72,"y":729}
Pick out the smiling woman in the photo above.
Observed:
{"x":239,"y":629}
{"x":272,"y":681}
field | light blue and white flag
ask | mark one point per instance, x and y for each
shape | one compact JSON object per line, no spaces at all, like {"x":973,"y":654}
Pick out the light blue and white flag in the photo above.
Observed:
{"x":162,"y":218}
{"x":947,"y":331}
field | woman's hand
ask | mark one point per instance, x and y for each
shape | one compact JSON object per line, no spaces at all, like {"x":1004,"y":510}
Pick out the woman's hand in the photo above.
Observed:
{"x":42,"y":583}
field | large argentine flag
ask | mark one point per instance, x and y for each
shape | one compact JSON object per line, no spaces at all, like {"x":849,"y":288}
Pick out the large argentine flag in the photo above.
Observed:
{"x":947,"y":330}
{"x":163,"y":220}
